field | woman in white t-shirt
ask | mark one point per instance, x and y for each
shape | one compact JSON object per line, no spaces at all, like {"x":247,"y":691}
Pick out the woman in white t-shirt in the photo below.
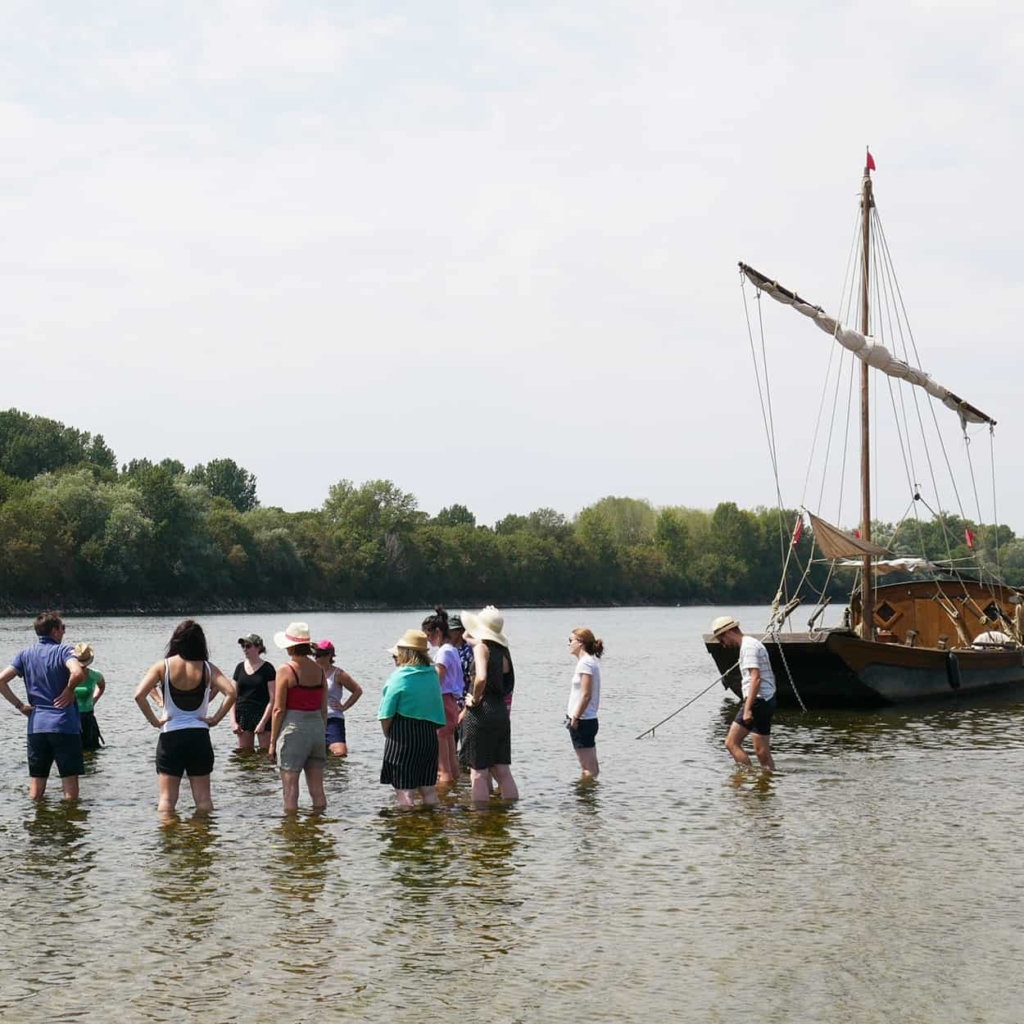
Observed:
{"x":585,"y":698}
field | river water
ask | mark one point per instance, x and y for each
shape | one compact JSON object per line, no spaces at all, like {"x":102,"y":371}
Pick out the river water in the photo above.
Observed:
{"x":873,"y":878}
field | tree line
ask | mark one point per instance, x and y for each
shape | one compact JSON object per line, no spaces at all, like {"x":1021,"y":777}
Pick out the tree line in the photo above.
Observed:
{"x":80,"y":531}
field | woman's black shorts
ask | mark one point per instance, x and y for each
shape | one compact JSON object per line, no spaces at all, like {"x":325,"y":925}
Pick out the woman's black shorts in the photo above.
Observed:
{"x":248,"y":717}
{"x":584,"y":736}
{"x":184,"y":752}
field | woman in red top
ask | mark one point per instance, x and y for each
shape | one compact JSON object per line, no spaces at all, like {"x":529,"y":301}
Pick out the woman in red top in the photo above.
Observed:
{"x":297,"y":733}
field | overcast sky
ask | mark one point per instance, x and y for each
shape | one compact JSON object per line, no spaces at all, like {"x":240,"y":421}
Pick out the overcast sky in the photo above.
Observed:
{"x":489,"y":250}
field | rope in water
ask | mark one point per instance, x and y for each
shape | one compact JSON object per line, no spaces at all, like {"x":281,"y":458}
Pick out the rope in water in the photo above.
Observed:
{"x":650,"y":732}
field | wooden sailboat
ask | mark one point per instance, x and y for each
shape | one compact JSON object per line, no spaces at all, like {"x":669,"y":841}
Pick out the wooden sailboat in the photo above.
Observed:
{"x":924,"y":639}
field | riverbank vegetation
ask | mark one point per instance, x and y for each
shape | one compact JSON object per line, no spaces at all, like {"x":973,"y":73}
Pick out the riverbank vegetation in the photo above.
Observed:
{"x":80,"y":531}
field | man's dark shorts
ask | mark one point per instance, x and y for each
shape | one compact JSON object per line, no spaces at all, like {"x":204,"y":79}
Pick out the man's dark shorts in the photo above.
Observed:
{"x":63,"y":747}
{"x":762,"y":713}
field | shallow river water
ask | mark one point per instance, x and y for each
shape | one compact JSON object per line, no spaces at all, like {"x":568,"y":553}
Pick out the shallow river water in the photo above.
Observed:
{"x":875,"y":877}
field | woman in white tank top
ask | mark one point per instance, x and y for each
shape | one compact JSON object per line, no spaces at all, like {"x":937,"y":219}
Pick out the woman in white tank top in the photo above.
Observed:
{"x":186,"y":681}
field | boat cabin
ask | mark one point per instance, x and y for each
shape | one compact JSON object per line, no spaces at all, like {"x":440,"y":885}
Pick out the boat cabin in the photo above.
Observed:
{"x":943,"y":614}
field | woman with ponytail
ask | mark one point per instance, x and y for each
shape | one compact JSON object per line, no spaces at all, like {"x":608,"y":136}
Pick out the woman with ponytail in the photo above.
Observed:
{"x":584,"y":698}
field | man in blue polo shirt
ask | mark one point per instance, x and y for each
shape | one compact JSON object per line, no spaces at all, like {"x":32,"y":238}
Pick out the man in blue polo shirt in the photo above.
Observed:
{"x":51,"y":672}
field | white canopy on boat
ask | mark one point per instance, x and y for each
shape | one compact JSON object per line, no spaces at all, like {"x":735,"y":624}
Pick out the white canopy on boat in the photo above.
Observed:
{"x":888,"y":565}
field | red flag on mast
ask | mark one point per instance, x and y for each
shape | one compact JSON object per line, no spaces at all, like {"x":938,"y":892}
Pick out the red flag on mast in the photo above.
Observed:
{"x":798,"y":530}
{"x":969,"y":537}
{"x":871,"y":161}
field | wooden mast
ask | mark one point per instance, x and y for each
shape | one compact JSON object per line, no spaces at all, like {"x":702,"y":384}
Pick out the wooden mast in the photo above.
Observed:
{"x":867,"y":601}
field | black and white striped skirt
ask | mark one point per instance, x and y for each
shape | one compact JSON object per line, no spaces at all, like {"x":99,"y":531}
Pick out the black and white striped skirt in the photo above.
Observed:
{"x":410,"y":754}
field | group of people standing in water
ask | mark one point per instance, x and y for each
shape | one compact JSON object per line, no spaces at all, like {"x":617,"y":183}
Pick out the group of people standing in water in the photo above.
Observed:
{"x":444,"y":710}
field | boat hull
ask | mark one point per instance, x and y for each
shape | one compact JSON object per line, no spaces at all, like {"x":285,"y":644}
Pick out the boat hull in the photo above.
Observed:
{"x":837,"y":669}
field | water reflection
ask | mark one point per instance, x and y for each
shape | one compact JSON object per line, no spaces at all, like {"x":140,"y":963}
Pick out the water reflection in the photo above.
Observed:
{"x":187,"y":875}
{"x":57,"y":850}
{"x":302,"y":858}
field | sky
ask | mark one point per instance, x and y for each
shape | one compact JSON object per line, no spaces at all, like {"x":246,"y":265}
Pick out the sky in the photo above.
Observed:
{"x":488,"y":251}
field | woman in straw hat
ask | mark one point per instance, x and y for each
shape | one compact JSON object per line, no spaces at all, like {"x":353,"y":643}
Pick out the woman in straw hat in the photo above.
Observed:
{"x":486,"y":731}
{"x":297,"y":732}
{"x":410,"y":713}
{"x":86,"y":696}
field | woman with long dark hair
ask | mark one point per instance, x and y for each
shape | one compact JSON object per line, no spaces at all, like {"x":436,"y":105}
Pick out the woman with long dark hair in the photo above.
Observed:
{"x":187,"y":683}
{"x":449,"y":673}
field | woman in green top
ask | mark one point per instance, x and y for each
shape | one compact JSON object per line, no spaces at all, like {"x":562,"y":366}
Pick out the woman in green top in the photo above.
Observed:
{"x":410,"y":713}
{"x":86,"y":696}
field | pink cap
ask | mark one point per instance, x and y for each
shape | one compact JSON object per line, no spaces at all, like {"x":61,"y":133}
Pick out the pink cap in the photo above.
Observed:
{"x":324,"y":645}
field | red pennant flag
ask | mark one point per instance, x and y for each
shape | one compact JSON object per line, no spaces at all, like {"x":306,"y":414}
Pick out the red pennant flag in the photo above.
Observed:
{"x":856,"y":534}
{"x":798,"y":530}
{"x":871,"y":161}
{"x":969,"y":537}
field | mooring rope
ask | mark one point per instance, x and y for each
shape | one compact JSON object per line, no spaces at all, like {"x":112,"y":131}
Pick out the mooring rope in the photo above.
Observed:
{"x":650,"y":732}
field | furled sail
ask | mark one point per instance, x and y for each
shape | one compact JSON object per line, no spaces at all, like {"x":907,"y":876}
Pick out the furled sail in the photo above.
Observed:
{"x":867,"y":349}
{"x":836,"y":543}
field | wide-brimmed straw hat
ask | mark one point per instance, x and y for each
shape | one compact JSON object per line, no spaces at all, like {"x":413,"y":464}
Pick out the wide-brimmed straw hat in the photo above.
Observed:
{"x":723,"y":624}
{"x":414,"y":640}
{"x":296,"y":633}
{"x":84,"y":654}
{"x":487,"y":625}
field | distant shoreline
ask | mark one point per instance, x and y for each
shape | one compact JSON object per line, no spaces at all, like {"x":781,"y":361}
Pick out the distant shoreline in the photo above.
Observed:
{"x":26,"y":611}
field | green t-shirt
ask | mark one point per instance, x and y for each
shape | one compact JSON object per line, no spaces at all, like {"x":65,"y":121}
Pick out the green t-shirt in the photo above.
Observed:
{"x":413,"y":691}
{"x":84,"y":694}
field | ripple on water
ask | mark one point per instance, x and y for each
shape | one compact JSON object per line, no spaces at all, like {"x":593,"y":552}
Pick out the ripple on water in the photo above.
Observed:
{"x":872,"y":879}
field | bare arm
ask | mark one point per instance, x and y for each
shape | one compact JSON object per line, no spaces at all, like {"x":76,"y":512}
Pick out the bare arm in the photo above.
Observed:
{"x":385,"y":725}
{"x":150,"y":681}
{"x":220,"y":683}
{"x":6,"y":676}
{"x":280,"y":706}
{"x":101,"y":685}
{"x":479,"y":674}
{"x":755,"y":685}
{"x":78,"y":675}
{"x":586,"y":692}
{"x":352,"y":686}
{"x":268,"y":710}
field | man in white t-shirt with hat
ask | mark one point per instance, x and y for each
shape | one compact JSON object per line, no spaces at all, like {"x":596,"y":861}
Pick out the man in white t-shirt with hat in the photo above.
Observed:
{"x":758,"y":679}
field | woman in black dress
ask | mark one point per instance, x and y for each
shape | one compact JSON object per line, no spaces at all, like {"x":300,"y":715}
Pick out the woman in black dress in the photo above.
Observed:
{"x":486,"y":731}
{"x":254,"y":683}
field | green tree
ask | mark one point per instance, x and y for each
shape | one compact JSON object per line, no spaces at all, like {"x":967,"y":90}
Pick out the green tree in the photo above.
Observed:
{"x":224,"y":478}
{"x":455,"y":515}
